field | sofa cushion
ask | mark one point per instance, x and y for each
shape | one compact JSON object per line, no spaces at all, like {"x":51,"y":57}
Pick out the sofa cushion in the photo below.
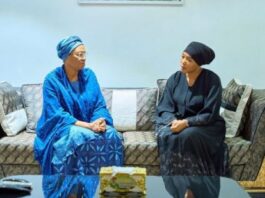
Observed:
{"x":17,"y":149}
{"x":20,"y":169}
{"x":14,"y":122}
{"x":131,"y":108}
{"x":32,"y":99}
{"x":161,"y":83}
{"x":140,"y":148}
{"x":10,"y":107}
{"x":239,"y":150}
{"x":235,"y":100}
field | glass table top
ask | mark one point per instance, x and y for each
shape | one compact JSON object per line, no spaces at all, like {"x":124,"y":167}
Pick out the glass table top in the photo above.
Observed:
{"x":156,"y":187}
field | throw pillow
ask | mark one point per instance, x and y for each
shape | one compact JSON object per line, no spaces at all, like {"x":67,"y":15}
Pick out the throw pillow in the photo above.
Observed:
{"x":10,"y":101}
{"x":14,"y":122}
{"x":131,"y":109}
{"x":235,"y":99}
{"x":161,"y":83}
{"x":32,"y":98}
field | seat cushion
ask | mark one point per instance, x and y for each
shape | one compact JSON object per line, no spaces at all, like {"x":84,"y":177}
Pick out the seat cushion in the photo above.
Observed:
{"x":140,"y":148}
{"x":239,"y":152}
{"x":17,"y":149}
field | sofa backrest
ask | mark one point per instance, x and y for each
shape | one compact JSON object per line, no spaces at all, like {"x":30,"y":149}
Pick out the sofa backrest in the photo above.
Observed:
{"x":32,"y":100}
{"x":134,"y":108}
{"x":131,"y":108}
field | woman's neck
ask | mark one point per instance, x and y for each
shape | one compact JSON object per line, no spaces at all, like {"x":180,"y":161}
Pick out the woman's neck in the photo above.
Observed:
{"x":192,"y":76}
{"x":71,"y":73}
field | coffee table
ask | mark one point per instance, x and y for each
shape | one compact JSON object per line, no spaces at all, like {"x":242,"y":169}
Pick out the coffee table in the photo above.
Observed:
{"x":227,"y":188}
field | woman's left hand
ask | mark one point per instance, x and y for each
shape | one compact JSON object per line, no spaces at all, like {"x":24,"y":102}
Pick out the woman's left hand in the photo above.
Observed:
{"x":101,"y":123}
{"x":178,"y":125}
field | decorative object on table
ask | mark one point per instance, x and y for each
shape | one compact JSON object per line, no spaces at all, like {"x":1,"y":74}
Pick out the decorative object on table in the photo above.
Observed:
{"x":122,"y":181}
{"x":14,"y":186}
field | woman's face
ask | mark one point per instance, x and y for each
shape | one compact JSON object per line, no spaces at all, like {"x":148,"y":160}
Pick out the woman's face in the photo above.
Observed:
{"x":187,"y":64}
{"x":77,"y":58}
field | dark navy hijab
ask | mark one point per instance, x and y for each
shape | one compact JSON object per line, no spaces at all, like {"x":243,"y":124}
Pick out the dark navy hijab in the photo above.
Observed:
{"x":200,"y":53}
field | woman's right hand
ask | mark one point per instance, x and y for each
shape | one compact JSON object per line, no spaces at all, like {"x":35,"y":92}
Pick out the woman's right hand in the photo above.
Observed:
{"x":178,"y":125}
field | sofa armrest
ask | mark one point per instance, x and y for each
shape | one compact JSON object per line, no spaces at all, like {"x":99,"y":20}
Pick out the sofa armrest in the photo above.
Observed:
{"x":255,"y":132}
{"x":256,"y":111}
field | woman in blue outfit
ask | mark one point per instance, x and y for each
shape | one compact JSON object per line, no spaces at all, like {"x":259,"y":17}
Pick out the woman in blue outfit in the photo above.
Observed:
{"x":75,"y":133}
{"x":189,"y":129}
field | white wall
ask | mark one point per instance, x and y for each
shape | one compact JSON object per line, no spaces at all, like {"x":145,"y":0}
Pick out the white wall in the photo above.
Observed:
{"x":132,"y":45}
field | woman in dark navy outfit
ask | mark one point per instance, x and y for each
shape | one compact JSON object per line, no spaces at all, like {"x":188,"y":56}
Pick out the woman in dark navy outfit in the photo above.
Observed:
{"x":189,"y":128}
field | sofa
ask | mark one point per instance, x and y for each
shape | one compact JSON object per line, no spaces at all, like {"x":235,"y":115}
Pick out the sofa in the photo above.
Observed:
{"x":133,"y":112}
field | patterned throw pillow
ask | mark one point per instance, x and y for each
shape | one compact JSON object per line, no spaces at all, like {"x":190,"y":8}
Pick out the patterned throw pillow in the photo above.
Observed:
{"x":131,"y":108}
{"x":235,"y":98}
{"x":32,"y":98}
{"x":161,"y":83}
{"x":10,"y":106}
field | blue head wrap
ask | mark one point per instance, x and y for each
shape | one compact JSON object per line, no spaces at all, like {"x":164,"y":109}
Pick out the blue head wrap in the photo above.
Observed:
{"x":67,"y":45}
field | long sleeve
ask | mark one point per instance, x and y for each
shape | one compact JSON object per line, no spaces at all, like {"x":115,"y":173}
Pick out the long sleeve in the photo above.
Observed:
{"x":100,"y":109}
{"x":52,"y":106}
{"x":166,"y":109}
{"x":212,"y":103}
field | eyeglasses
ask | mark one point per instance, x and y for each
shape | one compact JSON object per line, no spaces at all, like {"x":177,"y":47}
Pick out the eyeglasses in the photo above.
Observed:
{"x":81,"y":55}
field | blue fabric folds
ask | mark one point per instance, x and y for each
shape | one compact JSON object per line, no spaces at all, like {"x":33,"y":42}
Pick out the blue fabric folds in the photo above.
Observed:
{"x":55,"y":186}
{"x":67,"y":45}
{"x":62,"y":107}
{"x":83,"y":152}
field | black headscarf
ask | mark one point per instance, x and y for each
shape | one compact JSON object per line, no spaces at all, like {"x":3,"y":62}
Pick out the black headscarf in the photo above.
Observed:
{"x":200,"y":53}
